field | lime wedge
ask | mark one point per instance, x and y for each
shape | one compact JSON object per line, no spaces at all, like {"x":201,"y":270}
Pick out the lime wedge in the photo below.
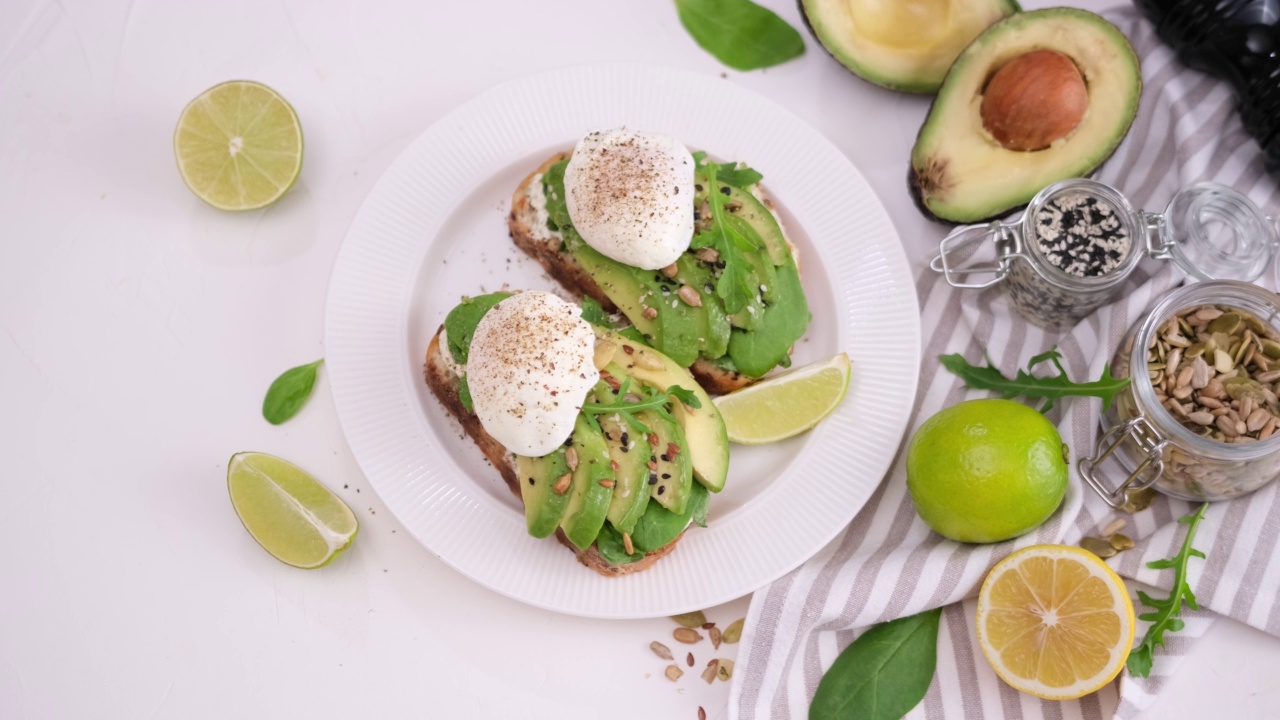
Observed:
{"x":289,"y":513}
{"x":239,"y":146}
{"x":786,"y":404}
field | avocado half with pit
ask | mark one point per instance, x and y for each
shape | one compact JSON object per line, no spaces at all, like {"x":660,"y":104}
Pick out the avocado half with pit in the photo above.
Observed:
{"x":901,"y":44}
{"x":1039,"y":97}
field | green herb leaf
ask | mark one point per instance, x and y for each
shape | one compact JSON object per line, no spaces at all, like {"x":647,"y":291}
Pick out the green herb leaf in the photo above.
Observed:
{"x":740,"y":33}
{"x":685,"y":396}
{"x":464,"y":394}
{"x":734,"y":285}
{"x":1050,"y":389}
{"x":289,"y":392}
{"x":882,"y":674}
{"x":460,"y":324}
{"x":1166,"y":610}
{"x":594,"y":314}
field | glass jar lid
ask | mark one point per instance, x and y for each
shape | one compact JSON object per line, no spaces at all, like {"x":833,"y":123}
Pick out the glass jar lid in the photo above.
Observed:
{"x":1216,"y":233}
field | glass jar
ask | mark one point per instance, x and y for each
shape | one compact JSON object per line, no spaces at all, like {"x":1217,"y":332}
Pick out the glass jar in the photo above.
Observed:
{"x":1078,"y":240}
{"x":1141,"y":430}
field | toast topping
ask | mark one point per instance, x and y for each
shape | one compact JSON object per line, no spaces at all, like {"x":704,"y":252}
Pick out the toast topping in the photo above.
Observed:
{"x":531,"y":363}
{"x":630,"y":196}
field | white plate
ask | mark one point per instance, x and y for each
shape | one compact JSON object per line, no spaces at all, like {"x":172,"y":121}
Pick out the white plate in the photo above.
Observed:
{"x":433,"y":229}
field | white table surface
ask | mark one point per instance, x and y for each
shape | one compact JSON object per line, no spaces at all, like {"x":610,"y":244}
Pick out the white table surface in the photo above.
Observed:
{"x":139,"y":330}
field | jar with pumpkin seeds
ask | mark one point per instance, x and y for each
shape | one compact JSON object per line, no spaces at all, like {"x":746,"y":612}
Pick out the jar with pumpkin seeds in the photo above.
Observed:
{"x":1200,"y":418}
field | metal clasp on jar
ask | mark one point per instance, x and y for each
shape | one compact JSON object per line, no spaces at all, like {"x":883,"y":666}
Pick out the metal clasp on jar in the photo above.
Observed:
{"x":1149,"y":443}
{"x":1008,"y":243}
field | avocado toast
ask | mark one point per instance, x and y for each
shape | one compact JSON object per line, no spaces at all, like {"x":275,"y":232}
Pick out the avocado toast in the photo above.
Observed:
{"x":729,"y":308}
{"x":635,"y":457}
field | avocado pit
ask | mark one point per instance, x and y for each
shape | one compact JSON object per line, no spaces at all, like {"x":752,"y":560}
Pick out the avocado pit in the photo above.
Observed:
{"x":1034,"y":100}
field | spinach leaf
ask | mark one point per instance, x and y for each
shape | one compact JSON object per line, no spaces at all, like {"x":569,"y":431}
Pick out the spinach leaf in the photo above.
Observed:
{"x":610,"y":544}
{"x":882,"y":674}
{"x":460,"y":324}
{"x":1049,"y":388}
{"x":289,"y":392}
{"x":740,"y":33}
{"x":594,"y":314}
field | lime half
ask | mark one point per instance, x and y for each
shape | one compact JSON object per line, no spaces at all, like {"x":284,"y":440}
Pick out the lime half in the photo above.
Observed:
{"x":239,"y":146}
{"x":786,"y":404}
{"x":287,"y":511}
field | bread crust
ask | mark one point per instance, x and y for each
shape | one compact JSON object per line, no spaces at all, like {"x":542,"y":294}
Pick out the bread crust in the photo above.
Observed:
{"x":444,"y":385}
{"x":566,"y":270}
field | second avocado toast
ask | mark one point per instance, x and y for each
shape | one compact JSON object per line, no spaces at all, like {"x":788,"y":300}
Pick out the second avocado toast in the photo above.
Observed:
{"x":729,"y":308}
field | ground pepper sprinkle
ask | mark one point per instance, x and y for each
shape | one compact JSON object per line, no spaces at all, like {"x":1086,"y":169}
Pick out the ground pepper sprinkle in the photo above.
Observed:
{"x":1081,"y":235}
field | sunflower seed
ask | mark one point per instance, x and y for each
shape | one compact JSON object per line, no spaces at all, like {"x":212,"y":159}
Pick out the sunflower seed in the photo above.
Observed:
{"x":709,"y":674}
{"x":661,"y":650}
{"x":673,"y":673}
{"x":1113,"y":527}
{"x":725,"y":670}
{"x":686,"y":635}
{"x":1257,"y":419}
{"x":714,"y":632}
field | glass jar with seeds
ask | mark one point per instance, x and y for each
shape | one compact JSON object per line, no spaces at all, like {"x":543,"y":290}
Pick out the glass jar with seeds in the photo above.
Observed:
{"x":1199,"y":420}
{"x":1078,"y":241}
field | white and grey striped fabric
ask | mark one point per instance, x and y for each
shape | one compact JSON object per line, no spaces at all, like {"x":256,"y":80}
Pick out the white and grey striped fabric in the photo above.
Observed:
{"x":887,"y":564}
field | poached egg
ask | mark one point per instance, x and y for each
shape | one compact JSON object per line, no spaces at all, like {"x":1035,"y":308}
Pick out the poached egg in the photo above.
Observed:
{"x":630,"y":196}
{"x":530,"y":367}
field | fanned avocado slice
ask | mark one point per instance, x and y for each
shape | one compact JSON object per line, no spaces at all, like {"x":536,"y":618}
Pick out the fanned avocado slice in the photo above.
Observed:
{"x":960,"y":172}
{"x":900,"y":44}
{"x":588,"y":498}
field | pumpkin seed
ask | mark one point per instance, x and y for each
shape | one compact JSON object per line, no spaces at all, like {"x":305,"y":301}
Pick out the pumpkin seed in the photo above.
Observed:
{"x":690,"y":619}
{"x":1138,"y":500}
{"x":1120,"y":542}
{"x":1098,"y":547}
{"x":733,"y":633}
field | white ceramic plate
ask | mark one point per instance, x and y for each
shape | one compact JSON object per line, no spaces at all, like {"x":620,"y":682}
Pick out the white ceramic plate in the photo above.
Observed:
{"x":433,"y":229}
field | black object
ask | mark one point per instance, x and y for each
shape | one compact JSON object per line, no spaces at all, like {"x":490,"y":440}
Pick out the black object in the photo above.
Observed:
{"x":1239,"y":41}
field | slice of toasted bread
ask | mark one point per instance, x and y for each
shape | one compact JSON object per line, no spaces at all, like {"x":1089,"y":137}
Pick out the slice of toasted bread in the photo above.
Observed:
{"x":543,"y":245}
{"x":444,"y":385}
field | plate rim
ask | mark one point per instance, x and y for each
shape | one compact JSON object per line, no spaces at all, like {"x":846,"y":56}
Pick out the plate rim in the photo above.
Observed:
{"x":342,"y":384}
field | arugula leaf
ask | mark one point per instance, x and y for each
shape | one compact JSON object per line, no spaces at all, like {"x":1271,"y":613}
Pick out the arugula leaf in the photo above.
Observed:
{"x":650,"y":399}
{"x":1051,"y":389}
{"x":882,"y":674}
{"x":736,"y":174}
{"x":1166,"y":610}
{"x":734,"y":286}
{"x":740,"y":33}
{"x":289,"y":392}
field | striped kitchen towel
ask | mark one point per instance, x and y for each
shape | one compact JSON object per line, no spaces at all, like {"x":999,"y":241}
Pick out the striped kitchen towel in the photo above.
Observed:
{"x":887,"y":564}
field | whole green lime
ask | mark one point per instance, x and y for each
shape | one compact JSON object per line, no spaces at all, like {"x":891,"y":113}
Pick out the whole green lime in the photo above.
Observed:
{"x":986,"y":470}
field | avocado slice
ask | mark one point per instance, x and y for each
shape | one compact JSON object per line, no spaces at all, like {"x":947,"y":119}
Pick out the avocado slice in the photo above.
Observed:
{"x":900,"y":44}
{"x":670,"y":472}
{"x":713,"y":323}
{"x":624,"y":285}
{"x":543,"y":506}
{"x":704,"y":430}
{"x":960,"y":173}
{"x":588,"y":499}
{"x":631,"y":489}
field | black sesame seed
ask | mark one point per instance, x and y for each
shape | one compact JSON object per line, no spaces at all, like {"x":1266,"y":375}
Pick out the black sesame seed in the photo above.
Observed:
{"x":661,"y":488}
{"x":724,"y":190}
{"x":626,"y":438}
{"x":665,"y":458}
{"x":653,"y":479}
{"x":531,"y":481}
{"x":666,"y":476}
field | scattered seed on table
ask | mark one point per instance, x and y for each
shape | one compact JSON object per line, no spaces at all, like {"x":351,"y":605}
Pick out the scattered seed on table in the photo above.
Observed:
{"x":709,"y":674}
{"x":673,"y":673}
{"x":685,"y":635}
{"x":661,"y":650}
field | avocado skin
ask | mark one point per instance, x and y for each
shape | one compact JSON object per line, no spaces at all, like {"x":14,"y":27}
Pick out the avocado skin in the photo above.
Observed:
{"x":917,"y":88}
{"x":914,"y":181}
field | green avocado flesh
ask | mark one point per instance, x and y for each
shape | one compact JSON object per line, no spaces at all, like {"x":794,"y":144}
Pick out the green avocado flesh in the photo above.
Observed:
{"x":903,"y":45}
{"x":961,"y":174}
{"x":610,"y":487}
{"x":766,"y":303}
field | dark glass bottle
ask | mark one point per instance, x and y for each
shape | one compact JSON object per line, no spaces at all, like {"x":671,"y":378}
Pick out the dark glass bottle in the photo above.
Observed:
{"x":1238,"y":40}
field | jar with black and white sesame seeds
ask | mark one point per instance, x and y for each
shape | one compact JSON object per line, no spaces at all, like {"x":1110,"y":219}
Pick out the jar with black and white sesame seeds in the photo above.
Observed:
{"x":1073,"y":249}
